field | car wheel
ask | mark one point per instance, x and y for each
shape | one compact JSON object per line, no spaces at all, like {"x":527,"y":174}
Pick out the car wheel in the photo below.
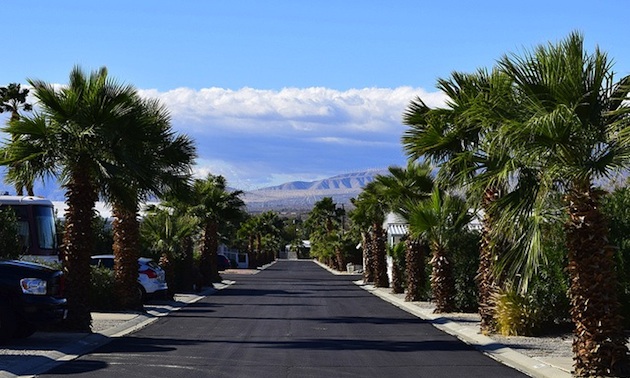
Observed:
{"x":142,"y":294}
{"x":24,"y":330}
{"x":7,"y":323}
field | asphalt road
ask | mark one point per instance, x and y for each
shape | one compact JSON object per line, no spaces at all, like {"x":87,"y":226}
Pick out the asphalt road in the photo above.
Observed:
{"x":293,"y":319}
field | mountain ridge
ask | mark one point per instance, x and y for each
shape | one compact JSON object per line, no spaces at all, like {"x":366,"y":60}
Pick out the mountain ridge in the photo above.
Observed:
{"x":288,"y":197}
{"x":353,"y":180}
{"x":302,"y":195}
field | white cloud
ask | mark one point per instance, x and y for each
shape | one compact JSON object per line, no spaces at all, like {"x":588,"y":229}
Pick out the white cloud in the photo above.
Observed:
{"x":351,"y":142}
{"x":257,"y":137}
{"x":291,"y":110}
{"x":248,"y":176}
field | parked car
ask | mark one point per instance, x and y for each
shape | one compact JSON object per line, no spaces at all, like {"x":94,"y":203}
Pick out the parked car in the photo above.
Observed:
{"x":223,"y":262}
{"x":31,"y":295}
{"x":151,"y":277}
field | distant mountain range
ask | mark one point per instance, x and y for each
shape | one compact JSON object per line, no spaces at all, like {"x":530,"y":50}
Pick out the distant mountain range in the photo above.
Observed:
{"x":299,"y":196}
{"x":348,"y":181}
{"x":296,"y":196}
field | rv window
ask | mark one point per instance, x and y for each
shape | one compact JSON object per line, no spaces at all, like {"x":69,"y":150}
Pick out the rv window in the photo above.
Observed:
{"x":45,"y":222}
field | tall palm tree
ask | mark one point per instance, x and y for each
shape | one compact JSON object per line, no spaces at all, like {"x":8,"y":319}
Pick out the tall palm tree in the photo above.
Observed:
{"x":69,"y":138}
{"x":214,"y":204}
{"x":571,"y":130}
{"x":152,"y":160}
{"x":436,"y":219}
{"x":247,"y":232}
{"x":404,"y":184}
{"x":268,"y":227}
{"x":166,"y":233}
{"x":13,"y":100}
{"x":375,"y":208}
{"x":458,"y":139}
{"x":258,"y":228}
{"x":401,"y":187}
{"x":360,"y":217}
{"x":325,"y":221}
{"x":178,"y":201}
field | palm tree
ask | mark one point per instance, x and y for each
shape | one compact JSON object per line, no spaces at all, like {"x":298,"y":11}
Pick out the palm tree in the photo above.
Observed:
{"x":268,"y":227}
{"x":153,"y":160}
{"x":571,"y":129}
{"x":13,"y":99}
{"x":402,"y":185}
{"x":166,"y":233}
{"x":399,"y":188}
{"x":257,"y":229}
{"x":325,"y":221}
{"x":69,"y":138}
{"x":361,"y":219}
{"x":375,"y":208}
{"x":178,"y":202}
{"x":247,"y":232}
{"x":215,"y":204}
{"x":436,"y":219}
{"x":458,"y":139}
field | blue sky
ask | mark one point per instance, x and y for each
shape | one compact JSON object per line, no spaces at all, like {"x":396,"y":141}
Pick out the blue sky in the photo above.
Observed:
{"x":278,"y":90}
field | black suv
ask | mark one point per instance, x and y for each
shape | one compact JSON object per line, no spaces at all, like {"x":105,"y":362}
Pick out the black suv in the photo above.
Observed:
{"x":30,"y":295}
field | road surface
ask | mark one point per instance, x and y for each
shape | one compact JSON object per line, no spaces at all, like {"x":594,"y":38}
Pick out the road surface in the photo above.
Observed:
{"x":293,"y":319}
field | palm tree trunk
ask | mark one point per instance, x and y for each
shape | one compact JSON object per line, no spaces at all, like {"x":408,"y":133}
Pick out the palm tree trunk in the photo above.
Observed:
{"x":204,"y":261}
{"x":169,"y":272}
{"x":341,"y":260}
{"x":78,"y":244}
{"x":599,"y":343}
{"x":126,"y":247}
{"x":380,"y":256}
{"x":487,"y":284}
{"x":187,"y":281}
{"x":442,"y":283}
{"x":208,"y":263}
{"x":251,"y":253}
{"x":398,"y":277}
{"x":368,"y":258}
{"x":214,"y":248}
{"x":258,"y":250}
{"x":416,"y":273}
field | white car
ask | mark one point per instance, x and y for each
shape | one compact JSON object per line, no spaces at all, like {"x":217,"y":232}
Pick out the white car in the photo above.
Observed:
{"x":151,"y":278}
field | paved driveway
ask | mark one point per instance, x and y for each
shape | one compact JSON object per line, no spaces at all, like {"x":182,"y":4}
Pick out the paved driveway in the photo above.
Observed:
{"x":293,"y":319}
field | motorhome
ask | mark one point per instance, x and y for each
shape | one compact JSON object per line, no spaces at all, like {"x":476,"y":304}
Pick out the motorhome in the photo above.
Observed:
{"x":36,"y":226}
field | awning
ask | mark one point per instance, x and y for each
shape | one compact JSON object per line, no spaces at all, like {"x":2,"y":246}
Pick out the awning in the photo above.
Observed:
{"x":397,"y":229}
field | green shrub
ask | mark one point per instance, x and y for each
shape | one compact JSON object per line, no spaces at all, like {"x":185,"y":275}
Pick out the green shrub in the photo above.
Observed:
{"x":548,"y":289}
{"x":516,"y":314}
{"x":616,"y":206}
{"x":545,"y":306}
{"x":397,"y":252}
{"x":464,"y":249}
{"x":10,"y":246}
{"x":102,"y":296}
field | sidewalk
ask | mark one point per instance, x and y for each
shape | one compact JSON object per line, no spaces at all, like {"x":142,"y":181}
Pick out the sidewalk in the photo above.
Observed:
{"x":44,"y":350}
